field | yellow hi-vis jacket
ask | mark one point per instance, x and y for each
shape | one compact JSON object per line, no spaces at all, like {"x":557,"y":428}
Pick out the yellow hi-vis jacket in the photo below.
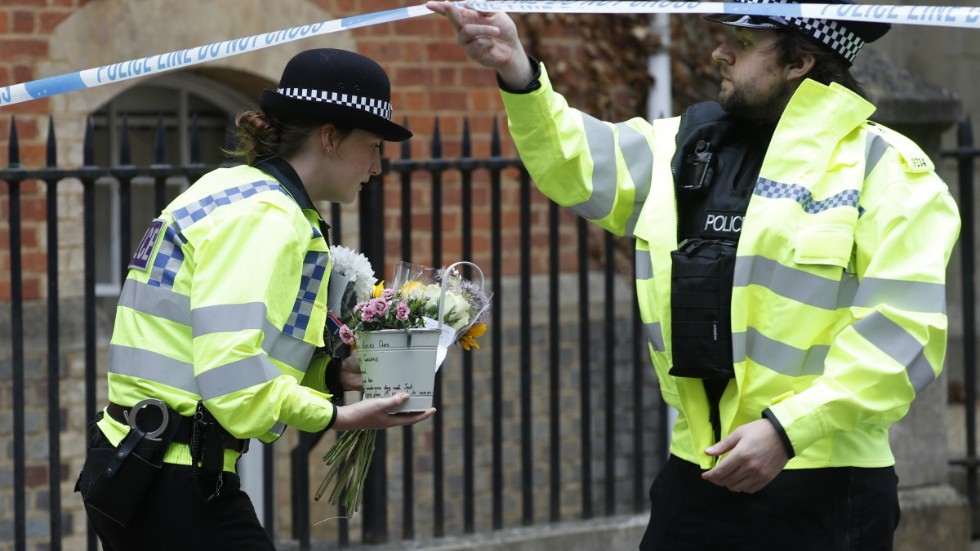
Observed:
{"x":225,"y":302}
{"x":838,"y":308}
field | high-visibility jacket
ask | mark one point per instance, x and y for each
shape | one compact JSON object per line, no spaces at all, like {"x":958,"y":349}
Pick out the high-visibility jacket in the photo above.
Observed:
{"x":225,"y":302}
{"x":838,"y":309}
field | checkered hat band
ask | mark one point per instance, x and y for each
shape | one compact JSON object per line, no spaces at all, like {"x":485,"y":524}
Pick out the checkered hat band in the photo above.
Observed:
{"x":370,"y":105}
{"x":829,"y":32}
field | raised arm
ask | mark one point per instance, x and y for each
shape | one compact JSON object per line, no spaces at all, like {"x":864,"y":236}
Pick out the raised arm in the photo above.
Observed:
{"x":490,"y":39}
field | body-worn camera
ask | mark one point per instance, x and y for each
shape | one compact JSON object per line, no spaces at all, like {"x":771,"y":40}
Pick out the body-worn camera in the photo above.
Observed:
{"x":699,"y":168}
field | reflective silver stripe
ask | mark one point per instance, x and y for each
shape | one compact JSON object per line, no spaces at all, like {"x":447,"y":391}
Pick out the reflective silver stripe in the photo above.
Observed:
{"x":819,"y":292}
{"x":639,"y":161}
{"x":644,"y":266}
{"x":913,"y":296}
{"x":161,"y":302}
{"x":236,"y":376}
{"x":278,"y":429}
{"x":656,"y":336}
{"x":781,"y":357}
{"x":600,"y":138}
{"x":239,"y":317}
{"x":228,"y":318}
{"x":287,"y":349}
{"x":136,"y":362}
{"x":895,"y":341}
{"x":738,"y":346}
{"x":874,"y":150}
{"x":794,"y":284}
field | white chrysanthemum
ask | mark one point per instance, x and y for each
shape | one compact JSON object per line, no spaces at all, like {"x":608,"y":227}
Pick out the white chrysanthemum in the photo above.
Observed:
{"x":356,"y":268}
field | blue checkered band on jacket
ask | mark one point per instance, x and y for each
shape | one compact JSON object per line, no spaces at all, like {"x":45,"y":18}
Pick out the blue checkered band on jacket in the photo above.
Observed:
{"x":778,"y":190}
{"x":831,"y":33}
{"x":168,"y":260}
{"x":187,"y":215}
{"x":170,"y":257}
{"x":370,"y":105}
{"x":314,"y":268}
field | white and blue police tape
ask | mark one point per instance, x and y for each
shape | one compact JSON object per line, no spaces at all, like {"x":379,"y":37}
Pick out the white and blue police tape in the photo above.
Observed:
{"x":947,"y":16}
{"x":178,"y":59}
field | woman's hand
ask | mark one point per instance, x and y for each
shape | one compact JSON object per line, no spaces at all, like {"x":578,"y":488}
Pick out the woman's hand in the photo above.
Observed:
{"x":350,"y":373}
{"x":373,"y":414}
{"x":490,"y":39}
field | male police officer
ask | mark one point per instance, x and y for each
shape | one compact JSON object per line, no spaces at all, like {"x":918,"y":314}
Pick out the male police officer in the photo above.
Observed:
{"x":790,"y":267}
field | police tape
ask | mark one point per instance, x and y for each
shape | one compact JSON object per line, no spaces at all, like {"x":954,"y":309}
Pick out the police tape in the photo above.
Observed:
{"x":948,"y":16}
{"x":945,"y":16}
{"x":178,"y":59}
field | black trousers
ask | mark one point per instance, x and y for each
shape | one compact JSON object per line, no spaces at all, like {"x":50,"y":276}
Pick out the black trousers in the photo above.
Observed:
{"x":173,"y":516}
{"x":832,"y":509}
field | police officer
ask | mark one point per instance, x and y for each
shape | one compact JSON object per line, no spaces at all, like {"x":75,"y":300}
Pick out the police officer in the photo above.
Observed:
{"x":222,"y":310}
{"x":790,"y":269}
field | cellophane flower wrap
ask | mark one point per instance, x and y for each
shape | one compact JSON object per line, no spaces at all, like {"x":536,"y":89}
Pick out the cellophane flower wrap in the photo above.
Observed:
{"x":465,"y":304}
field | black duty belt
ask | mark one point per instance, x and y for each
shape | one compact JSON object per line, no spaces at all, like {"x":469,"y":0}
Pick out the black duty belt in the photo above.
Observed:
{"x":184,"y":430}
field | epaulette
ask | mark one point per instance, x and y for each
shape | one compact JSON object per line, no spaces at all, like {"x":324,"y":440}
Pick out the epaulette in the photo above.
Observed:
{"x":914,"y":159}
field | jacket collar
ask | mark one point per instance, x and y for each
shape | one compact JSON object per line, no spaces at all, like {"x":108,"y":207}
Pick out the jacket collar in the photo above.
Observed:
{"x":282,"y":171}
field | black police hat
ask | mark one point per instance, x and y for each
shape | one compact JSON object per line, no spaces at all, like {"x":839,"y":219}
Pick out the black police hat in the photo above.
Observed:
{"x":844,"y":38}
{"x":336,"y":86}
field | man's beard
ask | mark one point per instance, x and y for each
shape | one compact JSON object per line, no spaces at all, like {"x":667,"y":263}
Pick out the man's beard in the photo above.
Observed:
{"x":765,"y":111}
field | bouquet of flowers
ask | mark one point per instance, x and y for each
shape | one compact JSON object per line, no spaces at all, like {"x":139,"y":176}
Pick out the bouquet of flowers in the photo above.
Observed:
{"x":420,"y":299}
{"x":456,"y":305}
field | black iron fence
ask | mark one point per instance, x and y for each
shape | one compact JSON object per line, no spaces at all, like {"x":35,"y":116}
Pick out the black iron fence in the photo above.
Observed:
{"x":965,"y":153}
{"x":546,"y":382}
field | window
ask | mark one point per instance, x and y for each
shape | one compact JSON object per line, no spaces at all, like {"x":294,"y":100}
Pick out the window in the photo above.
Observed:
{"x":175,"y":101}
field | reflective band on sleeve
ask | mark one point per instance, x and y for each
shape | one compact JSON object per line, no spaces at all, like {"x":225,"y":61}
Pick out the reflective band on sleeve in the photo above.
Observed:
{"x":912,"y":296}
{"x":891,"y":339}
{"x":161,"y":302}
{"x":236,"y":376}
{"x":639,"y":162}
{"x":232,"y":318}
{"x":144,"y":364}
{"x":600,"y":138}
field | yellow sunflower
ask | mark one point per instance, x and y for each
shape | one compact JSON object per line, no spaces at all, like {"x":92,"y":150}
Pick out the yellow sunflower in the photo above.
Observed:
{"x":468,"y":340}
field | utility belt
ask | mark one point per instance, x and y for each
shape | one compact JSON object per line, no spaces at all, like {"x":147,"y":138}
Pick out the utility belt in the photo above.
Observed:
{"x":114,"y":480}
{"x":184,"y":433}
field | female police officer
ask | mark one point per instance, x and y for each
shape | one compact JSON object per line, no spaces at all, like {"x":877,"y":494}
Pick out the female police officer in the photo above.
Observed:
{"x":222,"y":310}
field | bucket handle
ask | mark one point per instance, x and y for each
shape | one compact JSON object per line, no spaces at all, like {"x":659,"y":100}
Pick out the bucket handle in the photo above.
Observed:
{"x":449,"y":269}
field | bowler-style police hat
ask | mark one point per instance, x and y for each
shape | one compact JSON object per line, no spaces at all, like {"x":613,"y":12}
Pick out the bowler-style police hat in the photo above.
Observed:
{"x":336,"y":86}
{"x":844,"y":38}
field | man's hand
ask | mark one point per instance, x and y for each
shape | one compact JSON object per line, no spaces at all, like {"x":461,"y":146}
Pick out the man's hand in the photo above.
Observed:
{"x":755,"y":456}
{"x":373,"y":414}
{"x":350,"y":373}
{"x":490,"y":39}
